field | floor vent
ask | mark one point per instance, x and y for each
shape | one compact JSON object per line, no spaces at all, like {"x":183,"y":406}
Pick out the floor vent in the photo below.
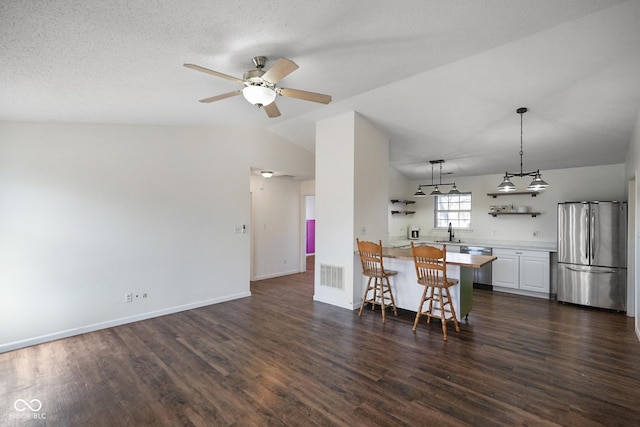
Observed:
{"x":331,"y":276}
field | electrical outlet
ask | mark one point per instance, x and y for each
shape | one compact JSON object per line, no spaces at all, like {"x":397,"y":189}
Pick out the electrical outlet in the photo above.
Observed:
{"x":128,"y":297}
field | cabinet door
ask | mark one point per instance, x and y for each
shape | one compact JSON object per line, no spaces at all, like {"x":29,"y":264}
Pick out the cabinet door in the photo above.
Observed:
{"x":505,"y":269}
{"x":534,"y":273}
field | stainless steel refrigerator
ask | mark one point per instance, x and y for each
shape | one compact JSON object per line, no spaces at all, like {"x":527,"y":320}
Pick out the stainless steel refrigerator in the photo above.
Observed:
{"x":592,"y":254}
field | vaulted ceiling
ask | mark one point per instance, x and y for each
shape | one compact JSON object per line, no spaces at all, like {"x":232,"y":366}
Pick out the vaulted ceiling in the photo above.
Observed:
{"x":443,"y":79}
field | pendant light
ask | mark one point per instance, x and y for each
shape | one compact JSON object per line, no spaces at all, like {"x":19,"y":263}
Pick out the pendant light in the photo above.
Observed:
{"x":436,"y":191}
{"x":537,"y":184}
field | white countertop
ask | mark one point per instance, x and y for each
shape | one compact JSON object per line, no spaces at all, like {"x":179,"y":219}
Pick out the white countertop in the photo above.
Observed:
{"x":502,"y":244}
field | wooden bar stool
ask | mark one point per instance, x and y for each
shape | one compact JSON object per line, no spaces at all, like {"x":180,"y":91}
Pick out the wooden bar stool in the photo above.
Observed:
{"x":378,"y":284}
{"x":431,"y":269}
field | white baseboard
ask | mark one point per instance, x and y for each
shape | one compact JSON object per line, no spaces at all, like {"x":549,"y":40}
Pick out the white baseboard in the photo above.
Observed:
{"x":271,"y":276}
{"x":116,"y":322}
{"x":336,"y":304}
{"x":521,"y":292}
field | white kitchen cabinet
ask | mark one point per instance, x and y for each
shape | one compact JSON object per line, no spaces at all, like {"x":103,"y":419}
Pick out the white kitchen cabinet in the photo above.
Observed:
{"x":505,"y":269}
{"x":521,"y":271}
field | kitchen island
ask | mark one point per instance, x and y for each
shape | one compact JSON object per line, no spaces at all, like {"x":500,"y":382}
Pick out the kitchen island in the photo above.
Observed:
{"x":408,"y":292}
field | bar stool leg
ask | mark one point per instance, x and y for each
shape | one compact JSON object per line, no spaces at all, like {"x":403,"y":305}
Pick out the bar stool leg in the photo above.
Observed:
{"x":393,"y":301}
{"x":419,"y":313}
{"x":453,"y":310}
{"x":364,"y":297}
{"x":443,"y":314}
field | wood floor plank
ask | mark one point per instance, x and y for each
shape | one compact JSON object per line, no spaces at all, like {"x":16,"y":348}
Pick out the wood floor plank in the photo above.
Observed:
{"x":255,"y":362}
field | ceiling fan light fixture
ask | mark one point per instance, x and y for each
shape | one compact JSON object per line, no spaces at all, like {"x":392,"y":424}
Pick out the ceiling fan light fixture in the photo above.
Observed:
{"x":258,"y":95}
{"x":266,"y":174}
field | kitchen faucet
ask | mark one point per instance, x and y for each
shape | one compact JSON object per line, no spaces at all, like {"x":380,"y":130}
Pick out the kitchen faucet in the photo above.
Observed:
{"x":451,"y":235}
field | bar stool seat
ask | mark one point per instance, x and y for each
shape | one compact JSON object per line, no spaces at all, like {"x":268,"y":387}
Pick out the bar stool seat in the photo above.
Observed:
{"x":378,"y":290}
{"x":431,"y":270}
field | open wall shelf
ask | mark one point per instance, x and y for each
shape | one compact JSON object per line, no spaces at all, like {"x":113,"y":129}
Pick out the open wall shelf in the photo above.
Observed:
{"x":495,"y":214}
{"x":515,"y":193}
{"x":402,"y":212}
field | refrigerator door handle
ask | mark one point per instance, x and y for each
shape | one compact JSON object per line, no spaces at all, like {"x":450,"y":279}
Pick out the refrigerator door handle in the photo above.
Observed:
{"x":592,"y":233}
{"x":591,"y":272}
{"x":587,"y":238}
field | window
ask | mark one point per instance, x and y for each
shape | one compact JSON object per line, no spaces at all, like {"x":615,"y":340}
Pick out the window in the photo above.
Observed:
{"x":454,"y":209}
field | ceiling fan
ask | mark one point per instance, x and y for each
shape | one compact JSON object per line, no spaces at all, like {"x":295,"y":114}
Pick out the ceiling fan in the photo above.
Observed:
{"x":260,"y":86}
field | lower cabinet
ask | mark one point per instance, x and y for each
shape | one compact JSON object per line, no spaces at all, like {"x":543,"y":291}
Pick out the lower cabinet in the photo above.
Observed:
{"x":521,"y":271}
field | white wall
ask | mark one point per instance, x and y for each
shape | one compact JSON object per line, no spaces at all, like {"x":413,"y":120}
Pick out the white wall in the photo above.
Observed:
{"x":400,"y":189}
{"x":371,"y":196}
{"x":310,"y":207}
{"x":352,"y":194}
{"x":275,"y":226}
{"x":89,"y":213}
{"x":335,"y":208}
{"x":588,"y":183}
{"x":631,"y":171}
{"x":307,"y":191}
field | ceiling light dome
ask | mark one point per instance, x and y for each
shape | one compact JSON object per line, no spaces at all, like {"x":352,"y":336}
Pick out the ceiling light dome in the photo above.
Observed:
{"x":259,"y":95}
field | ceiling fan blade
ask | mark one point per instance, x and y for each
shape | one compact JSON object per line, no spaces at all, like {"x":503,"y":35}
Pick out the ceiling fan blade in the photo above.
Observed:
{"x":280,"y":70}
{"x":213,"y":73}
{"x":223,"y":96}
{"x":307,"y":96}
{"x":272,"y":110}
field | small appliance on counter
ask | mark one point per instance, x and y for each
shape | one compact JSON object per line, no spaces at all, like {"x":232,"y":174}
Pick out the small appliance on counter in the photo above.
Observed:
{"x":413,"y":232}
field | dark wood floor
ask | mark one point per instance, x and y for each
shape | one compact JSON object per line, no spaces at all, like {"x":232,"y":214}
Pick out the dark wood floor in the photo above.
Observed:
{"x":278,"y":358}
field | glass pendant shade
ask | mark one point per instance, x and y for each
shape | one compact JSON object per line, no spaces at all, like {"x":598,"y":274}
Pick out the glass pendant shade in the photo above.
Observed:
{"x":435,"y":192}
{"x":454,"y":190}
{"x":537,"y":184}
{"x":419,"y":193}
{"x":259,"y":95}
{"x":506,"y":185}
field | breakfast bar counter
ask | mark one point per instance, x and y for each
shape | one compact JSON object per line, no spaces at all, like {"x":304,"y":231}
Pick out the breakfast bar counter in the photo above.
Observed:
{"x":453,"y":258}
{"x":408,"y":292}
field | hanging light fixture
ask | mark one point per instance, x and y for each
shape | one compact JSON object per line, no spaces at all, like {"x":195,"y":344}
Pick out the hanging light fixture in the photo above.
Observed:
{"x":266,"y":174}
{"x":436,"y":191}
{"x":537,"y":184}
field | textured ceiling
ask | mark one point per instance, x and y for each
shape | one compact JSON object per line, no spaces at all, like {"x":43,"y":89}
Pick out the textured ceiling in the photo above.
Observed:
{"x":443,"y":79}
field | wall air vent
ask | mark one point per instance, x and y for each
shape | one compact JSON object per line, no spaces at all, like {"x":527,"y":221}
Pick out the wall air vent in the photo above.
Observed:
{"x":331,"y":276}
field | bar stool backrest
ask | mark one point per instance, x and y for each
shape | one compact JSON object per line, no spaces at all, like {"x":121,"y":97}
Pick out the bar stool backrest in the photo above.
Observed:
{"x":371,"y":258}
{"x":431,"y":265}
